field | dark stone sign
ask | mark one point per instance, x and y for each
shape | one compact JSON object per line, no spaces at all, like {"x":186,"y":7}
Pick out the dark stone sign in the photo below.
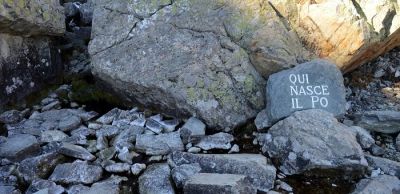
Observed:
{"x":314,"y":85}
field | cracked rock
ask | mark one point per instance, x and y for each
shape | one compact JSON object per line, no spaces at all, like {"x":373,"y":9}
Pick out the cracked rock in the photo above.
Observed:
{"x":76,"y":173}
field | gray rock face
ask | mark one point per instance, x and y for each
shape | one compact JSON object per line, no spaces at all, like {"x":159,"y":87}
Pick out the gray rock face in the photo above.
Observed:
{"x":193,"y":128}
{"x":75,"y":151}
{"x":9,"y":117}
{"x":398,"y":142}
{"x":218,"y":183}
{"x":40,"y":166}
{"x":24,"y":17}
{"x":314,"y":139}
{"x":389,"y":167}
{"x":108,"y":186}
{"x":380,"y":184}
{"x":40,"y":184}
{"x":19,"y":147}
{"x":159,"y":144}
{"x":76,"y":173}
{"x":182,"y":173}
{"x":52,"y":135}
{"x":127,"y":136}
{"x":118,"y":167}
{"x":380,"y":121}
{"x":156,"y":179}
{"x":314,"y":85}
{"x":364,"y":138}
{"x":27,"y":64}
{"x":200,"y":62}
{"x":216,"y":141}
{"x":262,"y":120}
{"x":255,"y":166}
{"x":9,"y":189}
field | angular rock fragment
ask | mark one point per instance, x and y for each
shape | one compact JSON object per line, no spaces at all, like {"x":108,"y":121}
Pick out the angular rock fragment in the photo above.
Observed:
{"x":380,"y":184}
{"x":76,"y":152}
{"x":159,"y":144}
{"x":218,"y":183}
{"x":180,"y":174}
{"x":314,"y":139}
{"x":216,"y":141}
{"x":156,"y":179}
{"x":78,"y":172}
{"x":379,"y":121}
{"x":19,"y":147}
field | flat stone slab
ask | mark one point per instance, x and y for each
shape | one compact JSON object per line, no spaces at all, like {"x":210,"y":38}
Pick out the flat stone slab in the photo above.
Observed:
{"x":78,"y":172}
{"x":219,"y":140}
{"x":314,"y":85}
{"x":381,"y":184}
{"x":19,"y":147}
{"x":159,"y":144}
{"x":76,"y":151}
{"x":255,"y":166}
{"x":389,"y":167}
{"x":379,"y":121}
{"x":218,"y":183}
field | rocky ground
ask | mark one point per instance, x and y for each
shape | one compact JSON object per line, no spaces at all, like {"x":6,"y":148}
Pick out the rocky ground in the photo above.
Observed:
{"x":60,"y":146}
{"x":78,"y":139}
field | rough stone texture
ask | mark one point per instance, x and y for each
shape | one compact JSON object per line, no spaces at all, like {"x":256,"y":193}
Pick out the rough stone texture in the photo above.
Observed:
{"x":159,"y":144}
{"x":397,"y":143}
{"x":11,"y":116}
{"x":380,"y":121}
{"x":19,"y":147}
{"x":324,"y":81}
{"x":26,"y":64}
{"x":75,"y":151}
{"x":52,"y":135}
{"x":40,"y":166}
{"x":389,"y":167}
{"x":348,"y":32}
{"x":262,"y":121}
{"x":381,"y":184}
{"x":262,"y":175}
{"x":76,"y":173}
{"x":218,"y":183}
{"x":314,"y":139}
{"x":40,"y":184}
{"x":108,"y":186}
{"x":219,"y":140}
{"x":200,"y":63}
{"x":156,"y":179}
{"x":182,"y":173}
{"x":364,"y":138}
{"x":32,"y":17}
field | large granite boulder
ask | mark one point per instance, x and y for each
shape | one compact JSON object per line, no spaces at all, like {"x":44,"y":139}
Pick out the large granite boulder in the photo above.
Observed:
{"x":32,"y":17}
{"x":348,"y":32}
{"x":192,"y":57}
{"x":312,"y":140}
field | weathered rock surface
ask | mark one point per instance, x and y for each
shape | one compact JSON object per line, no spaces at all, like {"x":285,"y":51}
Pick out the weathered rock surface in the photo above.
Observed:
{"x":76,"y":173}
{"x":379,"y":121}
{"x":11,"y":116}
{"x":159,"y":144}
{"x":19,"y":147}
{"x":364,"y":138}
{"x":44,"y":185}
{"x":32,"y":17}
{"x":40,"y":166}
{"x":156,"y":179}
{"x":216,"y":141}
{"x":218,"y":183}
{"x":75,"y":151}
{"x":26,"y":64}
{"x":182,"y":173}
{"x":389,"y":167}
{"x":203,"y":58}
{"x":348,"y":32}
{"x":314,"y":139}
{"x":255,"y":166}
{"x":108,"y":186}
{"x":380,"y":184}
{"x":314,"y":85}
